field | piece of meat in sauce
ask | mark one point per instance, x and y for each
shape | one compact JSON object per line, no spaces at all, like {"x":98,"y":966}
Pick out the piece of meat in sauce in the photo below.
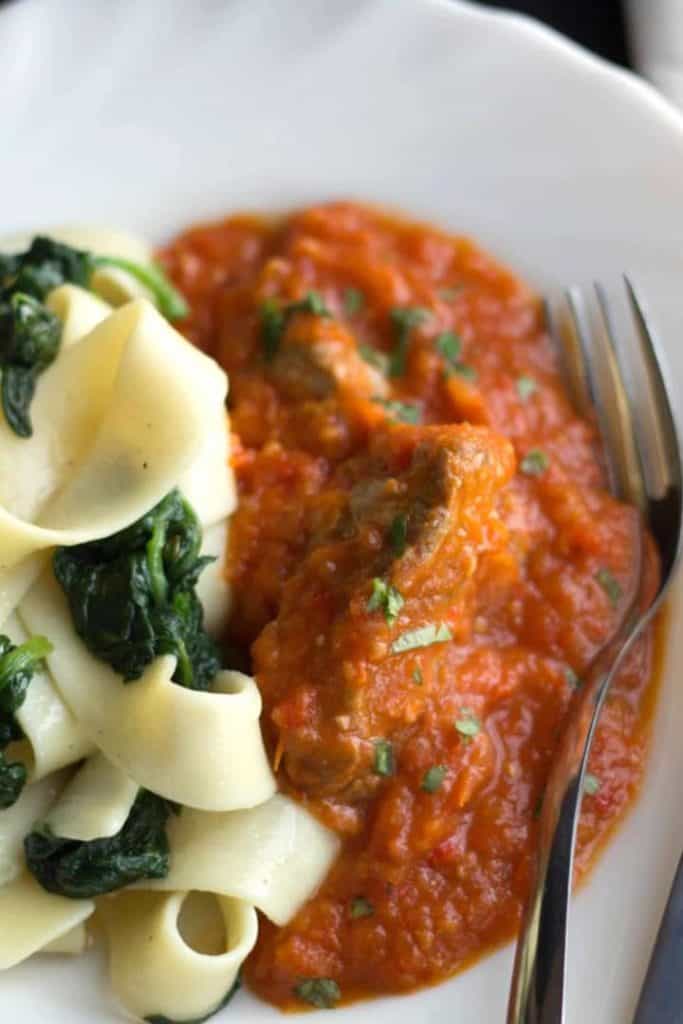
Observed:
{"x":417,"y":513}
{"x":317,"y":358}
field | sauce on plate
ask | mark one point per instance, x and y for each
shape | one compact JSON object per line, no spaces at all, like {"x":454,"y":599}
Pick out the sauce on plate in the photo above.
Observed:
{"x":424,"y":559}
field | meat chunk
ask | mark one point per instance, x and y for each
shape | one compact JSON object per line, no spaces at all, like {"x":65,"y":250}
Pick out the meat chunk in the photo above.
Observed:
{"x":440,"y":485}
{"x":318,"y":357}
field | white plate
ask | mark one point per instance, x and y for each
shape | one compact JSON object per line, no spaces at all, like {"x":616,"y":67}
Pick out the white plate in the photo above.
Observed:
{"x":153,"y":115}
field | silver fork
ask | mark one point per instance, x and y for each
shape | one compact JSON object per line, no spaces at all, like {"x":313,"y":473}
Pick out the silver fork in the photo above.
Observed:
{"x":623,"y":382}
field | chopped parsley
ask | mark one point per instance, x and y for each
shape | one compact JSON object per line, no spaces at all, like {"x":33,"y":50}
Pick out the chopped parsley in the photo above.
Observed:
{"x":591,"y":784}
{"x":417,"y":676}
{"x":534,"y":463}
{"x":448,"y":294}
{"x":386,"y":598}
{"x":360,"y":907}
{"x":404,"y":319}
{"x":572,"y":679}
{"x":610,"y":585}
{"x":450,"y":346}
{"x":526,"y":387}
{"x":373,"y":357}
{"x":406,"y":412}
{"x":433,"y":779}
{"x":398,"y":534}
{"x":384,"y":758}
{"x":322,"y":993}
{"x":425,"y":636}
{"x":274,"y":319}
{"x":462,"y":370}
{"x":467,"y":725}
{"x":354,"y":300}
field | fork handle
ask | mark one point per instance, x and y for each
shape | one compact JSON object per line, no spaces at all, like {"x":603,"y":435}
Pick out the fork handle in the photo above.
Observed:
{"x":661,"y":998}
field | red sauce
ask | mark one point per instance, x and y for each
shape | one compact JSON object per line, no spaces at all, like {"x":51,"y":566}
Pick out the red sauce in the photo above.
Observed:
{"x":484,"y":532}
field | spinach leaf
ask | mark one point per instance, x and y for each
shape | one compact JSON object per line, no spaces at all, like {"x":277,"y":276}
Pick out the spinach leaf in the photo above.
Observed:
{"x":30,"y":335}
{"x":47,"y":264}
{"x":132,"y":595}
{"x":29,"y":341}
{"x":167,"y":299}
{"x":80,"y":870}
{"x":17,"y":667}
{"x":159,"y":1018}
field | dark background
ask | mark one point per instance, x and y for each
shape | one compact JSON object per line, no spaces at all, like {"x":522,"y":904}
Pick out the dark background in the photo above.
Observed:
{"x":598,"y":24}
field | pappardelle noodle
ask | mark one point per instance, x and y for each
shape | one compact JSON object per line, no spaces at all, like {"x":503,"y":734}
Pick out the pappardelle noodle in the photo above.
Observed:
{"x":134,"y":783}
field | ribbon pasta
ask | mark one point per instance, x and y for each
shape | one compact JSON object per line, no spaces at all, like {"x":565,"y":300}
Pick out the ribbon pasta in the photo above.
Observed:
{"x":127,"y":412}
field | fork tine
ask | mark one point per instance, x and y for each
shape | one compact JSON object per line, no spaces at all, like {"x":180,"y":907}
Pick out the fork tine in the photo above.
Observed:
{"x":663,"y":472}
{"x":633,"y":445}
{"x":608,"y":397}
{"x":568,"y":354}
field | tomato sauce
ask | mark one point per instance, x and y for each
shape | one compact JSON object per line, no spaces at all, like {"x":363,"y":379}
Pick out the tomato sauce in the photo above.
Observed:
{"x":425,"y":558}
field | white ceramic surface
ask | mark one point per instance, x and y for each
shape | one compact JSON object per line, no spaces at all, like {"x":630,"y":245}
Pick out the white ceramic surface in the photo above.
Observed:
{"x":156,"y":114}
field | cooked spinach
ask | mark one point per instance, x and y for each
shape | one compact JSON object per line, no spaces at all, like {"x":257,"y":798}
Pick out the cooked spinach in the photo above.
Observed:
{"x":30,"y":335}
{"x":29,"y":341}
{"x":47,"y":264}
{"x":17,"y":667}
{"x":132,"y":595}
{"x":159,"y":1018}
{"x":79,"y":870}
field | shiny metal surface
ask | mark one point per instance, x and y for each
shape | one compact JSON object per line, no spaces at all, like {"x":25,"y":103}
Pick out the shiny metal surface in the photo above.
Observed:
{"x":617,"y":376}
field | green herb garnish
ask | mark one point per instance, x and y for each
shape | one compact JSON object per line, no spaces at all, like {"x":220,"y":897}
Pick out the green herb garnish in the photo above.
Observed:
{"x":354,"y":300}
{"x":467,"y":725}
{"x":360,"y":907}
{"x":433,"y":779}
{"x":534,"y":463}
{"x":417,"y":676}
{"x":450,"y":346}
{"x":526,"y":387}
{"x":572,"y":679}
{"x":610,"y":584}
{"x":463,"y":370}
{"x":274,"y":319}
{"x":132,"y":595}
{"x":406,"y":412}
{"x":384,"y":758}
{"x":80,"y":870}
{"x":373,"y":357}
{"x":387,"y":598}
{"x":398,"y":534}
{"x":18,"y":665}
{"x":322,"y":993}
{"x":425,"y":636}
{"x":404,"y":319}
{"x":591,"y":784}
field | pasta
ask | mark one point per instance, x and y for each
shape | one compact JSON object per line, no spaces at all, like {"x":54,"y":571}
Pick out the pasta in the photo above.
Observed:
{"x":126,"y":414}
{"x":155,"y":971}
{"x":258,"y":848}
{"x":202,"y":750}
{"x":38,"y":918}
{"x":55,"y":737}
